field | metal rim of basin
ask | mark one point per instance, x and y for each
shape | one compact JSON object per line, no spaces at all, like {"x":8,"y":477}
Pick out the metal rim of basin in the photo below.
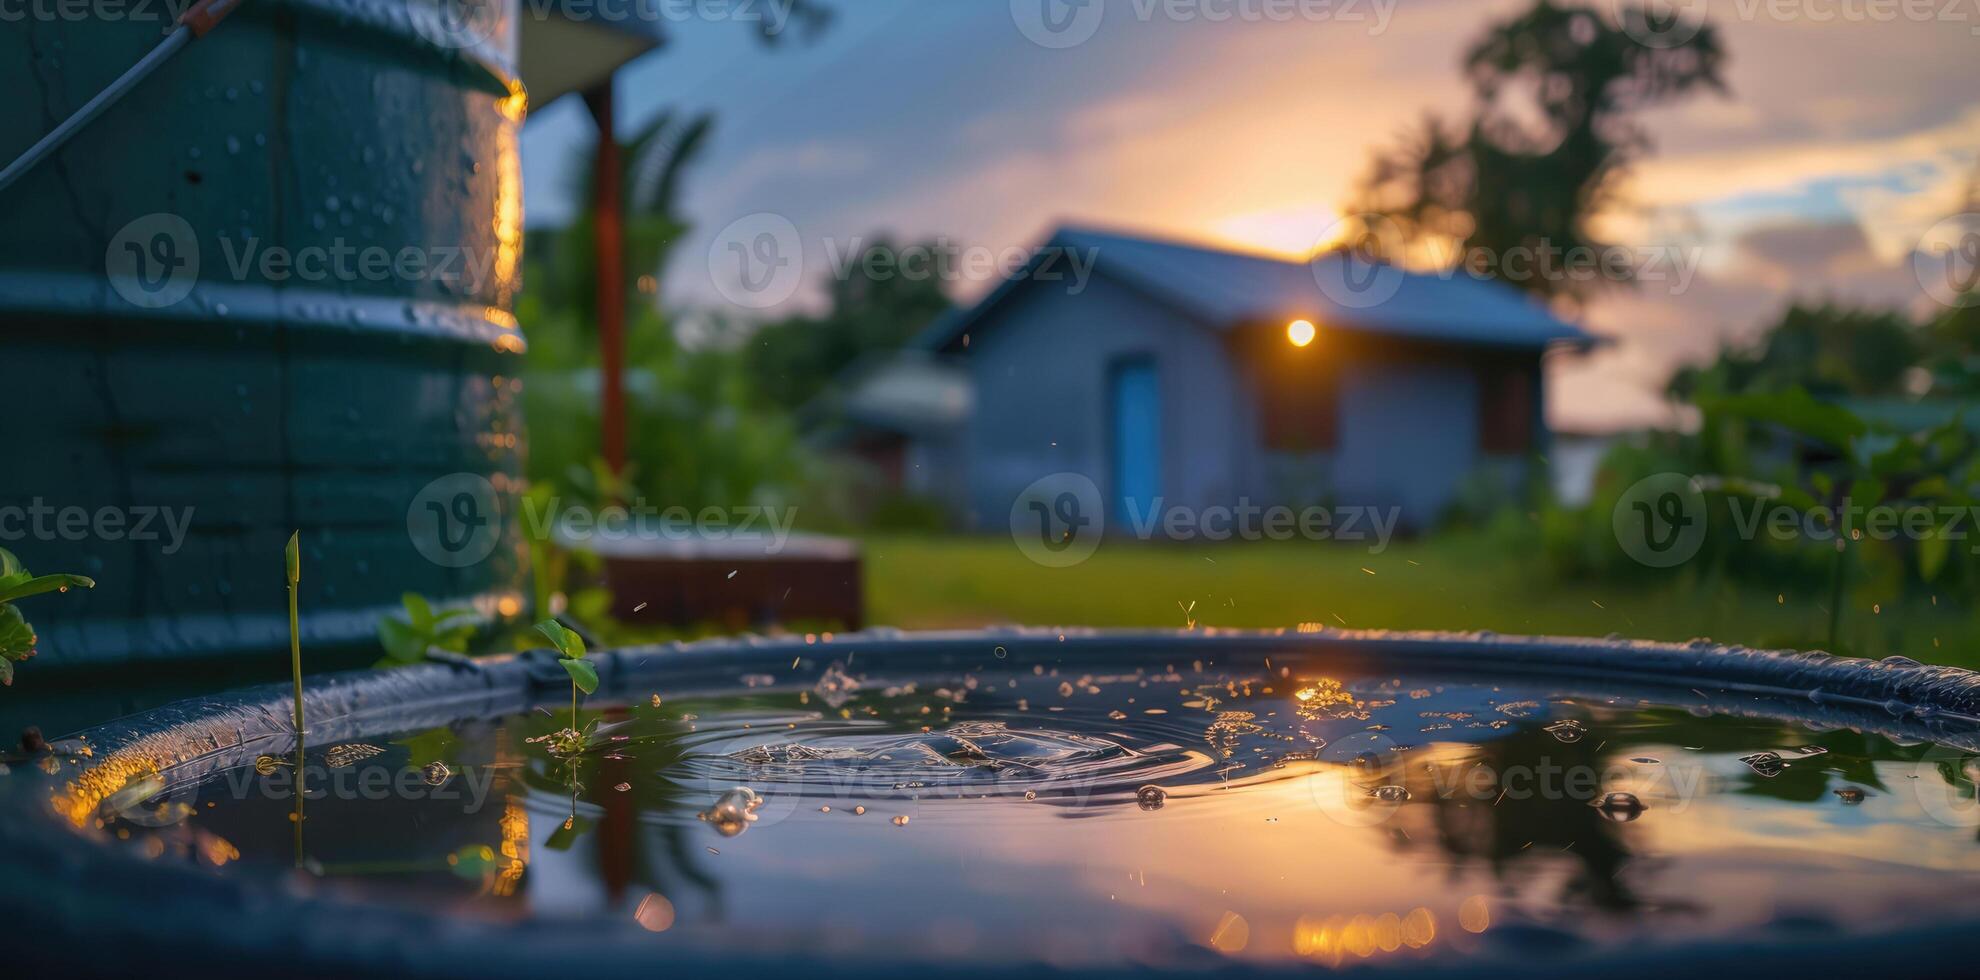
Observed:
{"x":72,"y":895}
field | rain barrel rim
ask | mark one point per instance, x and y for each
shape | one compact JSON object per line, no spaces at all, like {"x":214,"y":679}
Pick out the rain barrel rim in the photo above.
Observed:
{"x":38,"y":852}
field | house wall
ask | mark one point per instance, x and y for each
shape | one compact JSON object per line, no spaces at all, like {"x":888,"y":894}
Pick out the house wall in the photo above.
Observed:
{"x":1408,"y":414}
{"x":1408,"y":428}
{"x":1039,"y":364}
{"x":935,"y":466}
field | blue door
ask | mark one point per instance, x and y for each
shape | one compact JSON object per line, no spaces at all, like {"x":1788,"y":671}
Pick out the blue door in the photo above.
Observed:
{"x":1136,"y":398}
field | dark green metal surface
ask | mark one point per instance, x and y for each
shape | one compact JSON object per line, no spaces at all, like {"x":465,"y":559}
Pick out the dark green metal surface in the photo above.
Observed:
{"x":265,"y":399}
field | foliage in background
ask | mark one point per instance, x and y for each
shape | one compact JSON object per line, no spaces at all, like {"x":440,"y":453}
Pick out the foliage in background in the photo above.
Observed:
{"x":697,"y":435}
{"x":1788,"y":451}
{"x":17,"y":638}
{"x":563,"y":264}
{"x":1832,"y":408}
{"x":793,"y":359}
{"x":1914,"y":474}
{"x":1830,"y":350}
{"x":1550,"y":136}
{"x":412,"y":639}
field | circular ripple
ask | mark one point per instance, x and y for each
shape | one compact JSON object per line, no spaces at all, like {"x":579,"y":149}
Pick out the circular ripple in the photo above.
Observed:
{"x":967,"y":758}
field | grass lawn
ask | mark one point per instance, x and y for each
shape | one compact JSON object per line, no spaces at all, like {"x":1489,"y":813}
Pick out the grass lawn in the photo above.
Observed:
{"x":1449,"y":583}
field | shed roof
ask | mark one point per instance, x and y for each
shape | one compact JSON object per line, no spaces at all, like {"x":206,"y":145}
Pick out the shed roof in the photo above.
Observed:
{"x":1223,"y":289}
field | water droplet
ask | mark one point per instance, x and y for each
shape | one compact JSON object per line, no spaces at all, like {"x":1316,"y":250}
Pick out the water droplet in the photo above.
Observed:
{"x":1768,"y":764}
{"x":733,"y":811}
{"x":1619,"y":807}
{"x":1567,"y":730}
{"x":1390,"y":794}
{"x":1151,"y":797}
{"x":901,"y":821}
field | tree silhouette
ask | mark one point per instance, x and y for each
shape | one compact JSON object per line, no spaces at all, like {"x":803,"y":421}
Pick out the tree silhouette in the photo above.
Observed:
{"x":1552,"y":133}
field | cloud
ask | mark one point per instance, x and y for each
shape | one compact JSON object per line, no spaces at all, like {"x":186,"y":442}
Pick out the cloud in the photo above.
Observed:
{"x":1657,"y":331}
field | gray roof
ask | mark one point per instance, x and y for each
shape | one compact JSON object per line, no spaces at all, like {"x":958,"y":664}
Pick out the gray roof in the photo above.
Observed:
{"x":1224,"y":289}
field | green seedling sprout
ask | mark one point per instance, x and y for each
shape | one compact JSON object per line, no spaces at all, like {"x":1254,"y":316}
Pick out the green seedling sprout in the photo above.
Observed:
{"x":17,"y":638}
{"x":584,"y":677}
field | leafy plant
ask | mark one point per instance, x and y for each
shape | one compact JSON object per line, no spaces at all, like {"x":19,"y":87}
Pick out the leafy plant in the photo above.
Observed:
{"x":17,"y":638}
{"x":1873,"y":466}
{"x":423,"y":631}
{"x":584,"y":677}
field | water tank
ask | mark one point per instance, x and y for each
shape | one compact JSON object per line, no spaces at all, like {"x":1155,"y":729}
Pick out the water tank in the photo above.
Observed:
{"x":269,"y":290}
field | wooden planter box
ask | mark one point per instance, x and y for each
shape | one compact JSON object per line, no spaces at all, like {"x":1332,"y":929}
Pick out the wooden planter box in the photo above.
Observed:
{"x":736,"y":582}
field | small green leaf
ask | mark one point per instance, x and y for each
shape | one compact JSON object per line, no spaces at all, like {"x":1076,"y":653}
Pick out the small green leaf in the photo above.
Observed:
{"x":418,"y":611}
{"x":583,"y":674}
{"x":454,"y":640}
{"x":10,"y":566}
{"x":6,"y":672}
{"x":16,"y":588}
{"x":567,"y":643}
{"x":16,"y":636}
{"x":293,"y":554}
{"x":403,"y":643}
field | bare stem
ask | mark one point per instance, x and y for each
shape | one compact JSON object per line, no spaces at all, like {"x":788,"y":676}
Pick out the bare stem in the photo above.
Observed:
{"x":295,"y":657}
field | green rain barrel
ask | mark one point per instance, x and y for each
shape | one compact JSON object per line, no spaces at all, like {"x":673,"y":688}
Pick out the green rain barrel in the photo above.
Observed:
{"x":269,"y":291}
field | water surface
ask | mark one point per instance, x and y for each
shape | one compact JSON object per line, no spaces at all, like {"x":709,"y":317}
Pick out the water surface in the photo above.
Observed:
{"x":1027,"y":810}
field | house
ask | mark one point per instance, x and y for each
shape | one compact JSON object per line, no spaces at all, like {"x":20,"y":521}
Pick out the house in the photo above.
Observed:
{"x":901,"y":415}
{"x":1178,"y":376}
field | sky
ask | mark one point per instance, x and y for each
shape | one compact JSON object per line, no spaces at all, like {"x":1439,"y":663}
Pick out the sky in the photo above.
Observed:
{"x":1849,"y":130}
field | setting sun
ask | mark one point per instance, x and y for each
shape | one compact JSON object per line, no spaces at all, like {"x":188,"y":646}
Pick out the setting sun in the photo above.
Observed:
{"x":1300,"y":332}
